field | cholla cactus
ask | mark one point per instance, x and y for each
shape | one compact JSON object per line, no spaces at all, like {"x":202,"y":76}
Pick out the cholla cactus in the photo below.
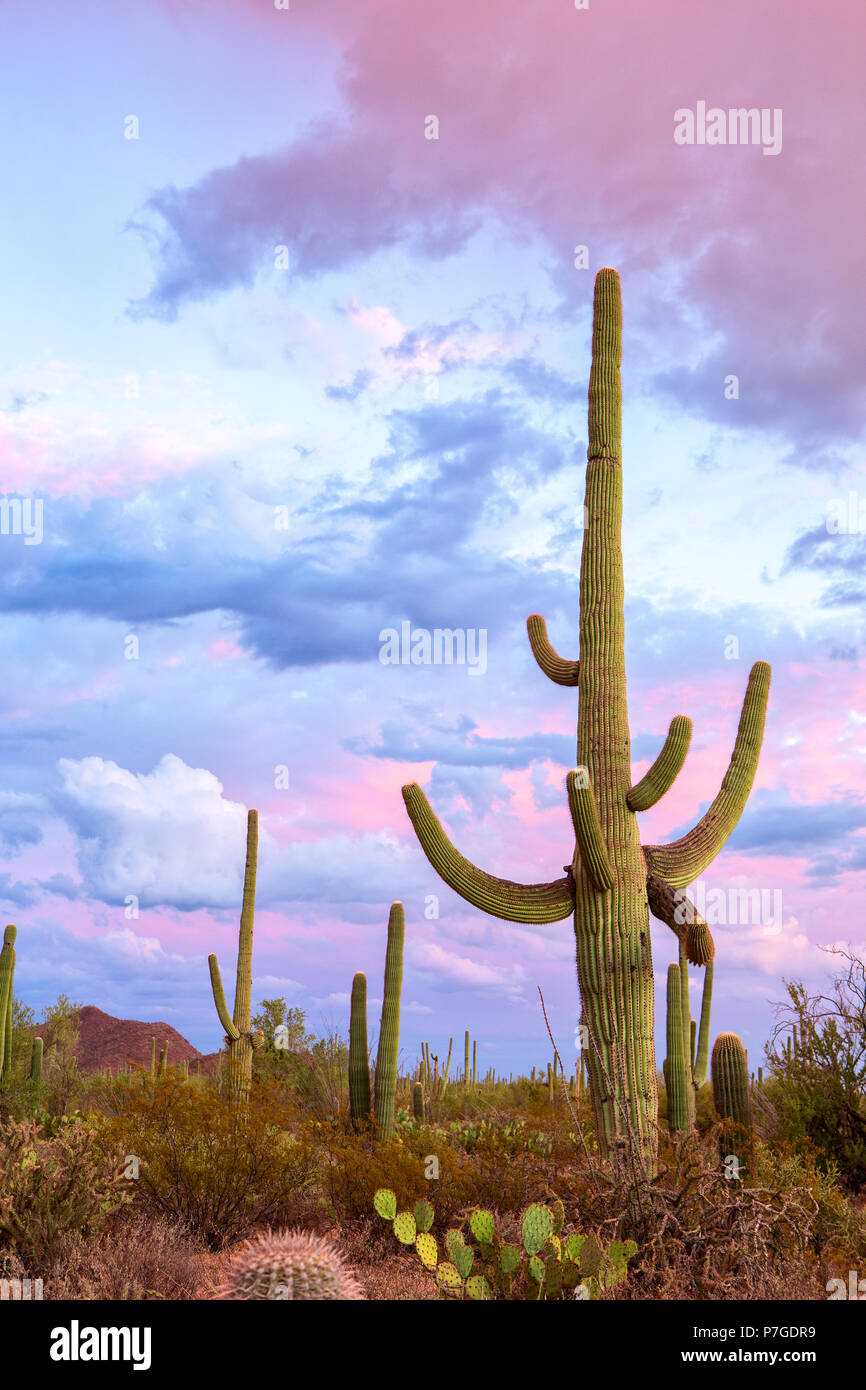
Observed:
{"x":612,"y":880}
{"x":288,"y":1265}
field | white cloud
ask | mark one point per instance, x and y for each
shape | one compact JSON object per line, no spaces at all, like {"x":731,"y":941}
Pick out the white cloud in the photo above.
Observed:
{"x":168,"y":836}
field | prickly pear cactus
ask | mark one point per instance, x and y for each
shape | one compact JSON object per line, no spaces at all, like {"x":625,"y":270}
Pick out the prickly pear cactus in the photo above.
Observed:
{"x":543,"y":1266}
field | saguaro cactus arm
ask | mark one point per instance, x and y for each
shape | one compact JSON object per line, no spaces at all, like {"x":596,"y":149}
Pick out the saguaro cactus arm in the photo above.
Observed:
{"x":686,"y":859}
{"x":677,"y":911}
{"x":515,"y":902}
{"x":560,"y":671}
{"x":661,"y":776}
{"x":587,"y":829}
{"x":219,"y":999}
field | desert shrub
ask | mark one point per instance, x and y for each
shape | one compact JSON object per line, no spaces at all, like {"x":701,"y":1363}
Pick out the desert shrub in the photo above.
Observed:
{"x":838,"y":1228}
{"x":137,"y":1257}
{"x":217,"y":1169}
{"x":699,"y":1234}
{"x":51,"y":1186}
{"x":815,"y":1097}
{"x":355,"y":1167}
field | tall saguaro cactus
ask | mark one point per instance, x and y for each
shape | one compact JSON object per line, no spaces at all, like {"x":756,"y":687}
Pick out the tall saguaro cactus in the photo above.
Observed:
{"x":7,"y":974}
{"x":612,"y":880}
{"x":240,"y":1041}
{"x":389,"y":1027}
{"x":385,"y":1089}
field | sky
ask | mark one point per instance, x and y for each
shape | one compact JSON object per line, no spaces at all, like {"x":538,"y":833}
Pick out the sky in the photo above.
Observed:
{"x":295,"y":350}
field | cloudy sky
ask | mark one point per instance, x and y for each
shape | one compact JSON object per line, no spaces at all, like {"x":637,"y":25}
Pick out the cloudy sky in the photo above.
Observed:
{"x":295,"y":349}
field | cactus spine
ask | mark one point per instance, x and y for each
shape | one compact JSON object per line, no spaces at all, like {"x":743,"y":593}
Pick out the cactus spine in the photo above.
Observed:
{"x":612,"y":878}
{"x":359,"y":1056}
{"x":239,"y":1039}
{"x":730,"y":1070}
{"x":7,"y":973}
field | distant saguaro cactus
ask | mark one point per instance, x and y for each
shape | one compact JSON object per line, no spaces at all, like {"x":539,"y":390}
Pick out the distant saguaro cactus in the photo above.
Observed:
{"x":612,"y":880}
{"x":36,"y":1061}
{"x":389,"y":1026}
{"x":7,"y":974}
{"x":239,"y":1038}
{"x":359,"y":1057}
{"x":385,"y":1089}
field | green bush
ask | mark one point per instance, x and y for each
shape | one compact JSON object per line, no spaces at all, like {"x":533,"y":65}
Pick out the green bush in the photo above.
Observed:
{"x":53,"y":1186}
{"x":215,"y":1168}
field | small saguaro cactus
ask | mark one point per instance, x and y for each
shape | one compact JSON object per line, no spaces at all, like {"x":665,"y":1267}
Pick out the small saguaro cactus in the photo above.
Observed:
{"x":7,"y":974}
{"x":691,"y":1060}
{"x":359,"y":1056}
{"x":612,"y":881}
{"x":293,"y":1266}
{"x":418,"y":1101}
{"x":239,"y":1038}
{"x":36,"y":1061}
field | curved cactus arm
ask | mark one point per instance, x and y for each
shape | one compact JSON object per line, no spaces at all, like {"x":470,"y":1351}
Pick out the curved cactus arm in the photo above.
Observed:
{"x":516,"y":902}
{"x":686,"y":859}
{"x":587,"y":829}
{"x":560,"y":671}
{"x":661,"y":776}
{"x":219,"y":999}
{"x":673,"y":907}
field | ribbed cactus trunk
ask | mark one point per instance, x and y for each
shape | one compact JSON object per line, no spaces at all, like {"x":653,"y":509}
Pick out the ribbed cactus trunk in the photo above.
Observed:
{"x":7,"y":976}
{"x":389,"y":1027}
{"x":239,"y":1038}
{"x":614,"y":959}
{"x":730,"y":1070}
{"x":359,"y":1055}
{"x":36,"y":1061}
{"x":676,"y":1080}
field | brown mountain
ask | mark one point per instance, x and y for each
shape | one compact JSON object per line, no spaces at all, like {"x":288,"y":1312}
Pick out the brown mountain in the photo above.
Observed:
{"x":104,"y":1041}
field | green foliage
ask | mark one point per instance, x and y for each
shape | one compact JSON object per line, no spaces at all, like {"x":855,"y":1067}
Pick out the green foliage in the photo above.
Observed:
{"x":542,"y":1267}
{"x":218,"y":1169}
{"x":815,"y":1095}
{"x":292,"y":1024}
{"x":52,"y":1185}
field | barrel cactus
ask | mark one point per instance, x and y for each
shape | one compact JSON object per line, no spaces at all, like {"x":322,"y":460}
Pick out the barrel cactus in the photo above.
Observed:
{"x":288,"y":1265}
{"x":730,"y":1072}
